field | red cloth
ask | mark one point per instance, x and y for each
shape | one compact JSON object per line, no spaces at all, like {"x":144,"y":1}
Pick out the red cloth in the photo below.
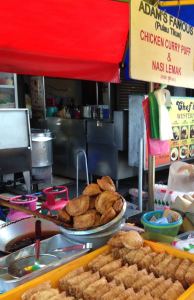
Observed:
{"x":64,"y":38}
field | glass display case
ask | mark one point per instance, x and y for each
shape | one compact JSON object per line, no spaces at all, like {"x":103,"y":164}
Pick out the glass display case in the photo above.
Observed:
{"x":8,"y":90}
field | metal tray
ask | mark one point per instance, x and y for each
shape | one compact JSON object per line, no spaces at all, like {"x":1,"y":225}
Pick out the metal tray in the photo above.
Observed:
{"x":58,"y":241}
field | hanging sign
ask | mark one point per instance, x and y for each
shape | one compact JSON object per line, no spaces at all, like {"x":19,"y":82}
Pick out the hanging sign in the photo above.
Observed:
{"x":161,"y":46}
{"x":182,"y":144}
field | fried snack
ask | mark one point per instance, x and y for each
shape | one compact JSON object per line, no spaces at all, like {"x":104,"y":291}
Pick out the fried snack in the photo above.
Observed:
{"x":41,"y":287}
{"x":110,"y":276}
{"x":147,"y":261}
{"x":77,"y":289}
{"x":62,"y":297}
{"x":99,"y":285}
{"x":116,"y":240}
{"x":108,"y":216}
{"x":77,"y":206}
{"x":159,"y":258}
{"x":132,"y":240}
{"x":133,"y":276}
{"x":161,"y":267}
{"x":148,"y":287}
{"x":172,"y":267}
{"x":118,"y":205}
{"x":106,"y":200}
{"x":92,"y":202}
{"x":140,"y":254}
{"x":120,"y":252}
{"x":139,"y":296}
{"x":91,"y":189}
{"x":44,"y":295}
{"x":126,"y":276}
{"x":110,"y":267}
{"x":64,"y":216}
{"x":113,"y":293}
{"x":97,"y":220}
{"x":142,"y":281}
{"x":97,"y":258}
{"x":63,"y":281}
{"x":182,"y":270}
{"x":160,"y":289}
{"x":86,"y":220}
{"x":189,"y":276}
{"x":173,"y":292}
{"x":106,"y":184}
{"x":130,"y":256}
{"x":127,"y":294}
{"x":77,"y":279}
{"x":101,"y":261}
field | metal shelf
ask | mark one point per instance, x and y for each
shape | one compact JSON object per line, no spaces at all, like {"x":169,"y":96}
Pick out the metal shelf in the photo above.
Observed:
{"x":6,"y":86}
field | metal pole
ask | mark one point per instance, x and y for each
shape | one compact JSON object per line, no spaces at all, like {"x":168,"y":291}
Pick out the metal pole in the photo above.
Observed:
{"x":151,"y":172}
{"x":97,"y":95}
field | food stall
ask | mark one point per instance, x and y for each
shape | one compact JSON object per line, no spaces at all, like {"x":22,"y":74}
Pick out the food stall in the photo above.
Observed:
{"x":129,"y":267}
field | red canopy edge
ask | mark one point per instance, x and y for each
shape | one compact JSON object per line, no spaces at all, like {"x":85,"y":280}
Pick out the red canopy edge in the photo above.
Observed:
{"x":63,"y":38}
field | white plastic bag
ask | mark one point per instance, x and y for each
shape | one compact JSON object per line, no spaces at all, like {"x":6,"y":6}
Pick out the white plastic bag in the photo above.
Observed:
{"x":181,"y":177}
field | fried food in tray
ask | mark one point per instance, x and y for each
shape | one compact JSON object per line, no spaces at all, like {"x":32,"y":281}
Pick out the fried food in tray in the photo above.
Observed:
{"x":92,"y":189}
{"x":182,"y":270}
{"x":85,"y":221}
{"x":106,"y":184}
{"x":78,"y":206}
{"x":130,"y":240}
{"x":41,"y":287}
{"x":106,"y":277}
{"x":106,"y":200}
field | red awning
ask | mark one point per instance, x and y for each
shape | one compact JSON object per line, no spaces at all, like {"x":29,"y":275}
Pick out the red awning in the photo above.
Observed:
{"x":82,"y":39}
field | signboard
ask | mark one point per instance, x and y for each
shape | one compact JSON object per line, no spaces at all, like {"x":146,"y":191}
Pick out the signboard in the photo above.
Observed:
{"x":182,"y":145}
{"x":161,"y":46}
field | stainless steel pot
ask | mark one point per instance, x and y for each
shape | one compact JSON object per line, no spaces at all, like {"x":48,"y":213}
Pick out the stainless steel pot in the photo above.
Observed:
{"x":100,"y":235}
{"x":42,"y":154}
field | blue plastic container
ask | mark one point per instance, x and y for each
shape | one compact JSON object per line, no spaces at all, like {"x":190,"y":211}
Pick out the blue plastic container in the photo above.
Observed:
{"x":170,"y":229}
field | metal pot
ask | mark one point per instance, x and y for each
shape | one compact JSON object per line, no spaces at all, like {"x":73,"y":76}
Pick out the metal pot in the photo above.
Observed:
{"x":42,"y":154}
{"x":100,"y":235}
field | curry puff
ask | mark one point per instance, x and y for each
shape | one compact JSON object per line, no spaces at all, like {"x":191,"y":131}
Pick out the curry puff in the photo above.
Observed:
{"x":77,"y":206}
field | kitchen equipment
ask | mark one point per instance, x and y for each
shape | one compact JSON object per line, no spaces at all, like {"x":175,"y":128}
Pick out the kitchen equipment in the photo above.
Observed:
{"x":55,"y":275}
{"x":19,"y":234}
{"x":15,"y":143}
{"x":53,"y":202}
{"x":27,"y":201}
{"x":34,"y":213}
{"x":46,"y":247}
{"x":97,"y":236}
{"x":75,"y":247}
{"x":36,"y":264}
{"x":42,"y":154}
{"x":41,"y":148}
{"x":24,"y":266}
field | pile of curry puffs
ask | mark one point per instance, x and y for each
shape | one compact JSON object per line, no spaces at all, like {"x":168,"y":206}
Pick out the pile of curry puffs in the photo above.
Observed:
{"x":98,"y":204}
{"x":128,"y":271}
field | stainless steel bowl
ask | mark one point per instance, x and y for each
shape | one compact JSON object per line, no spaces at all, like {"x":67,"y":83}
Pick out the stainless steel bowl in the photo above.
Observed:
{"x":102,"y":228}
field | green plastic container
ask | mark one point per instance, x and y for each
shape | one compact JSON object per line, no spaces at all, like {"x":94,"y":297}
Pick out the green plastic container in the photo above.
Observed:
{"x":158,"y":231}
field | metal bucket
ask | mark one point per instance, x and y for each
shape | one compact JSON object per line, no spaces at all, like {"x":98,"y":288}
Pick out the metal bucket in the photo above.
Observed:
{"x":42,"y":154}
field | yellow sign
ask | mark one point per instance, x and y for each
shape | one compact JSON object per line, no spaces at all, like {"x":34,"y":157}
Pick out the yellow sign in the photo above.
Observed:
{"x":161,"y":46}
